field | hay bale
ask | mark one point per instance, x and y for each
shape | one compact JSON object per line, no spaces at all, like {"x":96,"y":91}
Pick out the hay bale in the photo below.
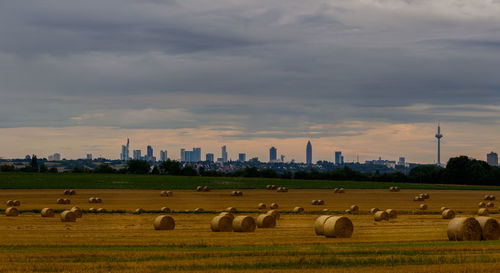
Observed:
{"x":92,"y":210}
{"x":443,"y":209}
{"x":66,"y":192}
{"x":273,"y":187}
{"x":60,"y":201}
{"x":170,"y":193}
{"x":325,"y":210}
{"x":426,"y":196}
{"x":77,"y":211}
{"x":165,"y":209}
{"x":67,"y":201}
{"x":489,"y":227}
{"x":482,"y":212}
{"x":228,"y":214}
{"x":341,"y":190}
{"x":164,"y":222}
{"x":354,"y":208}
{"x":373,"y":210}
{"x":319,"y":224}
{"x":11,"y":211}
{"x":321,"y":202}
{"x":284,"y":189}
{"x":396,"y":189}
{"x":47,"y":212}
{"x":10,"y":203}
{"x":206,"y":188}
{"x":464,"y":229}
{"x":336,"y":190}
{"x":68,"y":216}
{"x":199,"y":209}
{"x":278,"y":189}
{"x":338,"y":227}
{"x":221,"y":223}
{"x":481,"y":204}
{"x":348,"y":211}
{"x":101,"y":210}
{"x":138,"y":211}
{"x":448,"y":214}
{"x":230,"y":209}
{"x":314,"y":202}
{"x":163,"y":194}
{"x":268,"y":187}
{"x":423,"y":207}
{"x":298,"y":209}
{"x":273,"y":206}
{"x":199,"y":188}
{"x":492,"y":198}
{"x":418,"y":198}
{"x":266,"y":221}
{"x":98,"y":200}
{"x":234,"y":193}
{"x":72,"y":192}
{"x":17,"y":203}
{"x":274,"y":213}
{"x":393,"y":214}
{"x":92,"y":200}
{"x":391,"y":188}
{"x":243,"y":224}
{"x":240,"y":193}
{"x":261,"y":206}
{"x":486,"y":198}
{"x":490,"y":205}
{"x":381,"y":216}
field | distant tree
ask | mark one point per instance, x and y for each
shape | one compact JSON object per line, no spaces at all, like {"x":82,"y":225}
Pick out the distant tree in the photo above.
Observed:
{"x":34,"y":162}
{"x":189,"y":171}
{"x":138,"y":166}
{"x":53,"y":170}
{"x":426,"y":174}
{"x":104,"y":168}
{"x":170,"y":167}
{"x":7,"y":168}
{"x":77,"y":170}
{"x":155,"y":170}
{"x":286,"y":175}
{"x":43,"y":168}
{"x":268,"y":173}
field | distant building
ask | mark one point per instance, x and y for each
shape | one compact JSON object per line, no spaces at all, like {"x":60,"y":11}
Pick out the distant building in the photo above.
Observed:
{"x":338,"y":158}
{"x":54,"y":157}
{"x":163,"y":155}
{"x":242,"y":157}
{"x":125,"y":151}
{"x":401,"y":161}
{"x":149,"y":152}
{"x":492,"y":159}
{"x":196,"y":155}
{"x":380,"y":161}
{"x":183,"y":155}
{"x":224,"y":153}
{"x":254,"y":159}
{"x":209,"y":157}
{"x":342,"y":159}
{"x":272,"y":154}
{"x":309,"y":153}
{"x":137,"y":154}
{"x":27,"y":158}
{"x":89,"y":156}
{"x":282,"y":158}
{"x":191,"y":156}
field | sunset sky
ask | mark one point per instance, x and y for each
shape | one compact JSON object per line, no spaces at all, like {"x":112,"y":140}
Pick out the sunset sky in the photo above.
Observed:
{"x":368,"y":77}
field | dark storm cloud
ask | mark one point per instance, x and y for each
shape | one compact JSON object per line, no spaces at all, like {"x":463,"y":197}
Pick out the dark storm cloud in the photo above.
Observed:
{"x":267,"y":68}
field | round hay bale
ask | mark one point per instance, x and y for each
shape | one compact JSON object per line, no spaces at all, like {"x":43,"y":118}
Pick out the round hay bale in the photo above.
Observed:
{"x":325,"y":210}
{"x":244,"y":224}
{"x":92,"y":200}
{"x":319,"y":224}
{"x":138,"y":211}
{"x":338,"y":227}
{"x":273,"y":206}
{"x":163,"y":194}
{"x":261,"y":206}
{"x":396,"y":189}
{"x":66,"y":192}
{"x":314,"y":202}
{"x":101,"y":210}
{"x":199,"y":188}
{"x":486,"y":198}
{"x":490,"y":205}
{"x":489,"y":227}
{"x":231,"y":209}
{"x":464,"y":229}
{"x":417,"y":198}
{"x":492,"y":198}
{"x":298,"y":209}
{"x":165,"y":209}
{"x":92,"y":210}
{"x":348,"y":211}
{"x":426,"y":196}
{"x":443,"y":209}
{"x":481,"y":204}
{"x":354,"y":208}
{"x":278,"y":189}
{"x":393,"y":214}
{"x":72,"y":192}
{"x":206,"y":188}
{"x":240,"y":193}
{"x":321,"y":202}
{"x":336,"y":190}
{"x":421,"y":196}
{"x":341,"y":190}
{"x":228,"y":214}
{"x":77,"y":211}
{"x":266,"y":221}
{"x":373,"y":210}
{"x":423,"y":207}
{"x":67,"y":201}
{"x":170,"y":193}
{"x":60,"y":201}
{"x":98,"y":200}
{"x":268,"y":187}
{"x":391,"y":188}
{"x":164,"y":222}
{"x":482,"y":212}
{"x":273,"y":187}
{"x":221,"y":223}
{"x":448,"y":214}
{"x":234,"y":193}
{"x":274,"y":213}
{"x":17,"y":203}
{"x":68,"y":216}
{"x":47,"y":212}
{"x":284,"y":189}
{"x":10,"y":203}
{"x":11,"y":211}
{"x":380,"y":216}
{"x":199,"y":209}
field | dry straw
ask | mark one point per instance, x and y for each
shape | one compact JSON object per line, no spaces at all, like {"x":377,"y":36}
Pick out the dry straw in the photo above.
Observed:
{"x":68,"y":216}
{"x":199,"y":188}
{"x":423,"y":207}
{"x":221,"y":223}
{"x":338,"y":227}
{"x":228,"y":214}
{"x":443,"y":209}
{"x":138,"y":211}
{"x":320,"y":223}
{"x":101,"y":210}
{"x":243,"y":224}
{"x":482,"y":212}
{"x":266,"y":221}
{"x":274,"y":213}
{"x":448,"y":214}
{"x":381,"y":216}
{"x":164,"y":222}
{"x":273,"y":206}
{"x":165,"y":209}
{"x":10,"y":203}
{"x":60,"y":201}
{"x":490,"y":205}
{"x":199,"y":209}
{"x":489,"y":227}
{"x":77,"y":211}
{"x":298,"y":209}
{"x":17,"y":203}
{"x":464,"y":229}
{"x":11,"y":211}
{"x":482,"y":204}
{"x":373,"y":210}
{"x":393,"y":214}
{"x":354,"y":208}
{"x":47,"y":212}
{"x":230,"y":209}
{"x":66,"y":201}
{"x":261,"y":206}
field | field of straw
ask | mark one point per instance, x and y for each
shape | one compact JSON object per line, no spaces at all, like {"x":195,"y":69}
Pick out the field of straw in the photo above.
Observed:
{"x":121,"y":240}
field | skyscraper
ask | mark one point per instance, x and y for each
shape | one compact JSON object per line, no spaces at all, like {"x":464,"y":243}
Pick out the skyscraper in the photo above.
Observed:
{"x":125,"y":151}
{"x":191,"y":156}
{"x":272,"y":154}
{"x":224,"y":154}
{"x":309,"y":153}
{"x":183,"y":155}
{"x":163,"y":155}
{"x":242,"y":157}
{"x":137,"y":154}
{"x":439,"y":136}
{"x":149,"y":153}
{"x":89,"y":156}
{"x":196,"y":157}
{"x":492,"y":159}
{"x":209,"y":157}
{"x":338,"y":158}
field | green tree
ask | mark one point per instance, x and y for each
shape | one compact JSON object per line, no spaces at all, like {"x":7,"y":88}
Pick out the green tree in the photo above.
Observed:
{"x":34,"y":162}
{"x":138,"y":166}
{"x":155,"y":170}
{"x":170,"y":167}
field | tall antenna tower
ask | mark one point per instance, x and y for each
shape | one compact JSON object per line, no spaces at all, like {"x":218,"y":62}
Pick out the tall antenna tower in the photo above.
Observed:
{"x":439,"y":136}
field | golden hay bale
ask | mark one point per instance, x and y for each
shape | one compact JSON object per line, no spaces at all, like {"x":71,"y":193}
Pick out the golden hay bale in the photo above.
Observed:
{"x":230,"y":209}
{"x":373,"y":210}
{"x":274,"y":213}
{"x":98,"y":200}
{"x":92,"y":200}
{"x":101,"y":210}
{"x":486,"y":198}
{"x":72,"y":192}
{"x":490,"y":205}
{"x":418,"y":198}
{"x":321,"y":202}
{"x":298,"y":209}
{"x":341,"y":190}
{"x":422,"y":207}
{"x":66,"y":192}
{"x":243,"y":224}
{"x":266,"y":221}
{"x":206,"y":188}
{"x":199,"y":188}
{"x":314,"y":202}
{"x":17,"y":203}
{"x":47,"y":212}
{"x":381,"y":215}
{"x":67,"y":201}
{"x":240,"y":193}
{"x":10,"y":203}
{"x":393,"y":214}
{"x":492,"y":198}
{"x":278,"y":189}
{"x":164,"y":222}
{"x":421,"y":196}
{"x":284,"y":189}
{"x":482,"y":212}
{"x":228,"y":214}
{"x":221,"y":223}
{"x":354,"y":208}
{"x":348,"y":211}
{"x":319,"y":224}
{"x":170,"y":193}
{"x":68,"y":216}
{"x":489,"y":227}
{"x":426,"y":196}
{"x":60,"y":201}
{"x":77,"y":211}
{"x":269,"y":187}
{"x":336,"y":190}
{"x":482,"y":204}
{"x":325,"y":210}
{"x":273,"y":206}
{"x":92,"y":210}
{"x":199,"y":209}
{"x":443,"y":209}
{"x":448,"y":214}
{"x":11,"y":211}
{"x":261,"y":206}
{"x":234,"y":193}
{"x":396,"y":189}
{"x":464,"y":229}
{"x":165,"y":209}
{"x":391,"y":188}
{"x":338,"y":227}
{"x":163,"y":194}
{"x":138,"y":211}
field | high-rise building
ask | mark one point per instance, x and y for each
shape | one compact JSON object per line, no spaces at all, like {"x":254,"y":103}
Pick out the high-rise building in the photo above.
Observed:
{"x":272,"y":154}
{"x":209,"y":157}
{"x":309,"y":153}
{"x":191,"y":156}
{"x":54,"y":157}
{"x":137,"y":154}
{"x":149,"y":152}
{"x":125,"y":151}
{"x":439,"y":136}
{"x":492,"y":159}
{"x":338,"y":157}
{"x":242,"y":157}
{"x":342,"y":159}
{"x":401,"y":161}
{"x":224,"y":153}
{"x":196,"y":155}
{"x":163,"y":155}
{"x":183,"y":155}
{"x":89,"y":156}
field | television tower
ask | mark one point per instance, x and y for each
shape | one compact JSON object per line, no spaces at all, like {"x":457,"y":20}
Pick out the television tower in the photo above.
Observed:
{"x":439,"y":136}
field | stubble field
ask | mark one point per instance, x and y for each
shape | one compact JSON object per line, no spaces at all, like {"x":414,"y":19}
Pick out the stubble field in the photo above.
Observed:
{"x":126,"y":242}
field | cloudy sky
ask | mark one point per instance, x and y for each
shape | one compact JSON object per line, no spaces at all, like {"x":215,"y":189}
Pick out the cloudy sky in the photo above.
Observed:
{"x":368,"y":77}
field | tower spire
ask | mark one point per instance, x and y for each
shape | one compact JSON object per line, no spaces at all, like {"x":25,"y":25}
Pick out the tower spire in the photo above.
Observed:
{"x":439,"y":136}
